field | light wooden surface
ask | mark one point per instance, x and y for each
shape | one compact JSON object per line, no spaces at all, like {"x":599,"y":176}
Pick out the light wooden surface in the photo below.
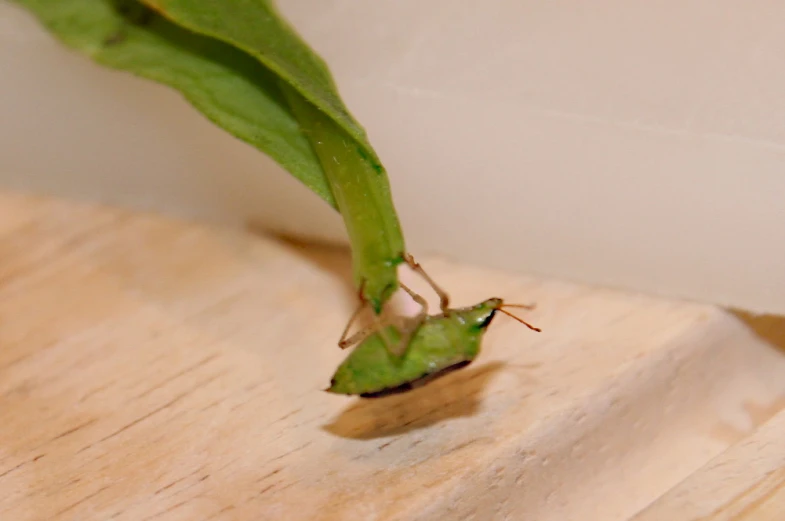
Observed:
{"x":744,"y":483}
{"x":153,"y":369}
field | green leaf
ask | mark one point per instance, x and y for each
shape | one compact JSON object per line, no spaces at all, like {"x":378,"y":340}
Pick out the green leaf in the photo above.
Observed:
{"x":364,"y":200}
{"x":256,"y":27}
{"x":229,"y":87}
{"x":234,"y":60}
{"x":355,"y":175}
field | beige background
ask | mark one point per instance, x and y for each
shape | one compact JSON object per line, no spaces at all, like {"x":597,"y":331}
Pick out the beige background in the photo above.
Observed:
{"x":634,"y":144}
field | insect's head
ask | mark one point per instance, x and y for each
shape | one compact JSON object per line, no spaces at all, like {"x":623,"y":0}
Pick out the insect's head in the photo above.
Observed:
{"x":497,"y":304}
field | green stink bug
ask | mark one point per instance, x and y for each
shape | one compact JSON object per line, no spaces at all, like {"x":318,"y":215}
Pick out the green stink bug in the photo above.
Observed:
{"x":409,"y":326}
{"x":443,"y":343}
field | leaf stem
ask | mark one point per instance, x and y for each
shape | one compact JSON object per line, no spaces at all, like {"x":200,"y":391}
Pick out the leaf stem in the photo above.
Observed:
{"x":362,"y":192}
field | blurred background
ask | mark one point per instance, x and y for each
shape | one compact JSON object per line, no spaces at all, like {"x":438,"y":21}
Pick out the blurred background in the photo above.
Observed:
{"x":637,"y":145}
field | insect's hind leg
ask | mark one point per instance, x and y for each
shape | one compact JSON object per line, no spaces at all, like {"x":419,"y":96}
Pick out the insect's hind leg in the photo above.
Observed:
{"x":410,"y":326}
{"x":444,"y":298}
{"x":346,"y":340}
{"x":378,"y":325}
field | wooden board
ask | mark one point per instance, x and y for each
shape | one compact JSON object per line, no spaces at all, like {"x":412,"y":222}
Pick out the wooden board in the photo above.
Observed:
{"x":744,"y":483}
{"x":154,"y":369}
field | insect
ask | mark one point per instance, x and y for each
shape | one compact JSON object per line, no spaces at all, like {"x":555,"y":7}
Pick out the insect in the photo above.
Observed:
{"x":442,"y":344}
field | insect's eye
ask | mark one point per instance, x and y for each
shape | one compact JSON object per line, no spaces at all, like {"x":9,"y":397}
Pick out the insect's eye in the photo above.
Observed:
{"x":486,"y":320}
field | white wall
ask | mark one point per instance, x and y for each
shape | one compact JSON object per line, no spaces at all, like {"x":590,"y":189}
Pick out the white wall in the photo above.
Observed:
{"x":620,"y":142}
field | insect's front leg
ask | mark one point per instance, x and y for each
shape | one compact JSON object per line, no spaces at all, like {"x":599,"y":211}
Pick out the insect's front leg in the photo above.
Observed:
{"x":444,"y":298}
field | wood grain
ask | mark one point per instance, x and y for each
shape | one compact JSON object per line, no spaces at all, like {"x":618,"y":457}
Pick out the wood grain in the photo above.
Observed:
{"x":744,"y":483}
{"x":160,"y":370}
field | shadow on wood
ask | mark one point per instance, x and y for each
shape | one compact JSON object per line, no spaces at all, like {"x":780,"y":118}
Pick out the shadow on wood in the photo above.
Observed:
{"x":455,"y":395}
{"x":335,"y":259}
{"x":330,"y":258}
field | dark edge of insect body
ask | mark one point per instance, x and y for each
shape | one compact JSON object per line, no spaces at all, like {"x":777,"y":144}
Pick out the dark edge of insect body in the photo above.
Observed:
{"x":417,"y":383}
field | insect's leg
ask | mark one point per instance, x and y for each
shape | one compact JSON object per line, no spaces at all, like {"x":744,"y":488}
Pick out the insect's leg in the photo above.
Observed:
{"x":380,"y":326}
{"x":444,"y":298}
{"x":411,"y":325}
{"x":346,"y":340}
{"x":365,"y":333}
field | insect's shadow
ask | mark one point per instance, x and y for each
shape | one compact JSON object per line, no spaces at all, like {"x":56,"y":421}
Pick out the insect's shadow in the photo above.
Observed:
{"x":456,"y":395}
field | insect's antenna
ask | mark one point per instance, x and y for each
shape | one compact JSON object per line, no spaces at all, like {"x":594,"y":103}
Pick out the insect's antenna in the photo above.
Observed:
{"x":522,"y":321}
{"x":524,"y":306}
